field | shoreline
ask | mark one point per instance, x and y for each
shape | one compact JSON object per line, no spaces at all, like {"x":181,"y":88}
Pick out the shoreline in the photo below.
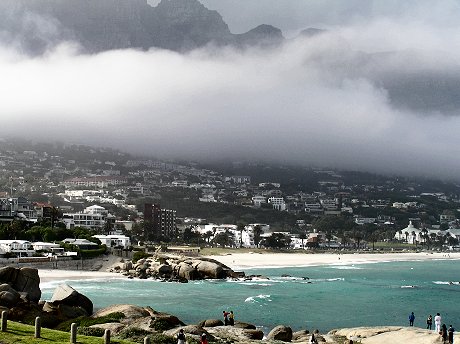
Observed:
{"x":249,"y":261}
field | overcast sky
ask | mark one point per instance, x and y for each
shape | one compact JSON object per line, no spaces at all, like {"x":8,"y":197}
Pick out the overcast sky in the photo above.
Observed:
{"x":308,"y":102}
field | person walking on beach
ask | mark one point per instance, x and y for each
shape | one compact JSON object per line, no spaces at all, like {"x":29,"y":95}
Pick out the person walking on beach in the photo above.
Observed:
{"x":181,"y":337}
{"x":429,"y":322}
{"x":231,"y":318}
{"x":411,"y":319}
{"x":437,"y":323}
{"x":225,"y":314}
{"x":450,"y":334}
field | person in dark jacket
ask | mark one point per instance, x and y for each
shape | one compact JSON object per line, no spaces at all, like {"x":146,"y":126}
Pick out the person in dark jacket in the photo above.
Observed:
{"x":411,"y":319}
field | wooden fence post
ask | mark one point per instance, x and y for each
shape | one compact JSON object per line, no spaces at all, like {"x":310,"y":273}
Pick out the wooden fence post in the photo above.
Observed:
{"x":147,"y":340}
{"x":73,"y":333}
{"x":38,"y":324}
{"x":4,"y":321}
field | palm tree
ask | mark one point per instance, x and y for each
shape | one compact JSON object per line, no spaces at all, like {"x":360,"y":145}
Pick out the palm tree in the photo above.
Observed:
{"x":329,"y":238}
{"x":302,"y":236}
{"x":257,"y":233}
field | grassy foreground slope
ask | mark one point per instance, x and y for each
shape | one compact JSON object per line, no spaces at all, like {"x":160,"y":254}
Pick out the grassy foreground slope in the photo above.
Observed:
{"x":20,"y":333}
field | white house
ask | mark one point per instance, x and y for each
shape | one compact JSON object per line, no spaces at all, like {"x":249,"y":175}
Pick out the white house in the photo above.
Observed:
{"x":258,"y":201}
{"x":93,"y":217}
{"x":277,"y":203}
{"x":22,"y":248}
{"x":114,"y":240}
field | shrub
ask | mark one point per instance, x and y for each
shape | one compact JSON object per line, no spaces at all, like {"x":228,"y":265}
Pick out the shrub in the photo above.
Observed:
{"x":85,"y":321}
{"x":135,"y":334}
{"x":159,"y":338}
{"x":91,"y":331}
{"x":161,"y":325}
{"x":139,"y":255}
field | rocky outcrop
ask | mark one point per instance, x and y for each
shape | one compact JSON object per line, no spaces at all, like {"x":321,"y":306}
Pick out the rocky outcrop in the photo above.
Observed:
{"x":234,"y":334}
{"x":130,"y":311}
{"x":281,"y":332}
{"x":66,"y":295}
{"x":211,"y":323}
{"x":24,"y":280}
{"x":175,"y":268}
{"x":8,"y":296}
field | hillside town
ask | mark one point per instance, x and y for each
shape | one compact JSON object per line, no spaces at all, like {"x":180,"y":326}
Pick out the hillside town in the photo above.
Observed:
{"x":61,"y":198}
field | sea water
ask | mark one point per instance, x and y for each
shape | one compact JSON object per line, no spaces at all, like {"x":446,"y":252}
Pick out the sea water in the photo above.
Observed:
{"x":320,"y":297}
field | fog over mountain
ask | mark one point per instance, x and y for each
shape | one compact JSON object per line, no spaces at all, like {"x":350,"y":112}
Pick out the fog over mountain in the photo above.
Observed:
{"x":378,"y":90}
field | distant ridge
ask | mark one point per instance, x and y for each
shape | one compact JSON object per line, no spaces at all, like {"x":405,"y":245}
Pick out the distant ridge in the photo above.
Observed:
{"x":100,"y":25}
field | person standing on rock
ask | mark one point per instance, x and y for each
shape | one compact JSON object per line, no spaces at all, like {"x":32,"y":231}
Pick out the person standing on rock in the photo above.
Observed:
{"x":231,"y":318}
{"x":450,"y":334}
{"x":313,"y":339}
{"x":444,"y":333}
{"x":411,"y":319}
{"x":225,"y":314}
{"x":204,"y":339}
{"x":437,"y":322}
{"x":429,"y":322}
{"x":181,"y":337}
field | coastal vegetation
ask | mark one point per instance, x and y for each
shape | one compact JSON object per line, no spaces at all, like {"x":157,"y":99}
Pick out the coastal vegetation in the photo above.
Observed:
{"x":21,"y":333}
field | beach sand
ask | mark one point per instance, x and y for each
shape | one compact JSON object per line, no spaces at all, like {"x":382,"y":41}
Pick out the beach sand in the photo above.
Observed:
{"x":103,"y":266}
{"x":243,"y":261}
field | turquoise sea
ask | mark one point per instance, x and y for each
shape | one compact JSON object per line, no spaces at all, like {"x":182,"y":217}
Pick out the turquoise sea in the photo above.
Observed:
{"x":333,"y":296}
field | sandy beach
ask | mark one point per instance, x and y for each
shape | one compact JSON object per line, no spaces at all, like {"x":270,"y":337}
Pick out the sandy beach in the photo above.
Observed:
{"x":244,"y":261}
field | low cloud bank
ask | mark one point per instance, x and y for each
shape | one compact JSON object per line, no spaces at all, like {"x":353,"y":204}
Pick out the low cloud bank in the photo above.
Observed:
{"x":341,"y":99}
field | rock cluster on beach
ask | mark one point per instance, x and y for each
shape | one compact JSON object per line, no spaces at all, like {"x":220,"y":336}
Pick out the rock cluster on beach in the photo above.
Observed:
{"x":175,"y":268}
{"x":20,"y":295}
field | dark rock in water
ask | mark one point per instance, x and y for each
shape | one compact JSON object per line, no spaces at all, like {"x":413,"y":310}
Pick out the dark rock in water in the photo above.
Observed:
{"x":23,"y":280}
{"x":280,"y":332}
{"x":246,"y":326}
{"x":65,"y":294}
{"x":285,"y":275}
{"x":211,"y":323}
{"x":254,"y":334}
{"x":238,"y":274}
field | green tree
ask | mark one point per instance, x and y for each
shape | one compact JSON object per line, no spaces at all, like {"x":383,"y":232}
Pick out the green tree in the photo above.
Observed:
{"x":224,"y":239}
{"x":257,"y":234}
{"x":278,"y":241}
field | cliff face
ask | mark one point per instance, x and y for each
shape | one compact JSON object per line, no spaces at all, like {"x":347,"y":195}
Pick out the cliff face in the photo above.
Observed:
{"x":99,"y":25}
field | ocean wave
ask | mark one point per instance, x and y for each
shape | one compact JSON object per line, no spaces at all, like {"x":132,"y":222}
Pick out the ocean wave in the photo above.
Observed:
{"x":446,"y":282}
{"x":408,"y":286}
{"x":254,"y":283}
{"x":345,"y":267}
{"x":258,"y":298}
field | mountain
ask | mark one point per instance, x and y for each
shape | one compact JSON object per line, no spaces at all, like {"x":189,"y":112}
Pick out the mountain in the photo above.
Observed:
{"x":98,"y":25}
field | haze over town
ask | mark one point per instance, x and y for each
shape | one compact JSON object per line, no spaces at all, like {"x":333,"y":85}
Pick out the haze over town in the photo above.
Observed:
{"x":349,"y":97}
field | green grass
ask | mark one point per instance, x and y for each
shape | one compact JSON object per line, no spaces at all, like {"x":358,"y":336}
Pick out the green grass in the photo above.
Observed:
{"x":20,"y":333}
